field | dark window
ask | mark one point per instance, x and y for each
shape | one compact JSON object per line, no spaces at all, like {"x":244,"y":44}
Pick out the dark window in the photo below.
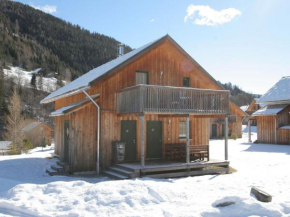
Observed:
{"x":186,"y":82}
{"x":182,"y":129}
{"x":142,"y":78}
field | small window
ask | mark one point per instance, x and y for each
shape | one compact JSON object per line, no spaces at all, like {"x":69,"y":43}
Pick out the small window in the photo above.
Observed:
{"x":186,"y":82}
{"x":182,"y":129}
{"x":142,"y":78}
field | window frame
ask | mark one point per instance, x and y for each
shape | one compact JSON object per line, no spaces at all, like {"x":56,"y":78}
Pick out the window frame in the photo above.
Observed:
{"x":190,"y":134}
{"x":144,"y":72}
{"x":188,"y":80}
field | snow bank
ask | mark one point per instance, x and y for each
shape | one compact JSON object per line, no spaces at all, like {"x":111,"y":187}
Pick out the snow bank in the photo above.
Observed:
{"x":25,"y":188}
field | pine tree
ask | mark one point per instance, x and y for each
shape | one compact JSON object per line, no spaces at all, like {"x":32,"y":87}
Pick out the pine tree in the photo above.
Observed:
{"x":15,"y":124}
{"x":40,"y":83}
{"x":33,"y":81}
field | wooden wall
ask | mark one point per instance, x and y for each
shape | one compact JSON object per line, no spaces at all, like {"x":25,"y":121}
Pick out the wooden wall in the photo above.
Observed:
{"x":166,"y":58}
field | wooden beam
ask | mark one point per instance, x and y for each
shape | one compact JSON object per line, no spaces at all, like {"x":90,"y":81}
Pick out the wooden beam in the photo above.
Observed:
{"x":187,"y":140}
{"x":275,"y":130}
{"x":249,"y":130}
{"x":226,"y":137}
{"x":142,"y":141}
{"x":137,"y":114}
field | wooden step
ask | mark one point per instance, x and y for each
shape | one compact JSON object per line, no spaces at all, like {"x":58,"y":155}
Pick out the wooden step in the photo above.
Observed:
{"x":61,"y":164}
{"x":52,"y":172}
{"x":123,"y":172}
{"x":58,"y":168}
{"x":114,"y":175}
{"x":124,"y":167}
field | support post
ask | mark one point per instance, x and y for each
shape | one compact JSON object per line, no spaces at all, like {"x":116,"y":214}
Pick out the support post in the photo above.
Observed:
{"x":226,"y":137}
{"x":142,"y":141}
{"x":249,"y":130}
{"x":187,"y":141}
{"x":275,"y":130}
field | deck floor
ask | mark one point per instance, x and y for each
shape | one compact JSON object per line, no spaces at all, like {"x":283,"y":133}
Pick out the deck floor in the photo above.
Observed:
{"x":150,"y":164}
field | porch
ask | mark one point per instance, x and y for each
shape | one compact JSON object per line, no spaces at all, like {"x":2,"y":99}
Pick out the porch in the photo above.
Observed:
{"x":167,"y":169}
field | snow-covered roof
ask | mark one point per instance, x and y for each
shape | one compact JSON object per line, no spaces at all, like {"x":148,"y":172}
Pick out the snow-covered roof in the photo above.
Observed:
{"x":5,"y":145}
{"x":280,"y":92}
{"x":31,"y":126}
{"x":286,"y":127}
{"x":66,"y":109}
{"x":244,"y":107}
{"x":84,"y":81}
{"x":270,"y":110}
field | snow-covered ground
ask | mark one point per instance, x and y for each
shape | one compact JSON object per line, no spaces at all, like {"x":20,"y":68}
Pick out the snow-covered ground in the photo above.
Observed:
{"x":26,"y":190}
{"x":24,"y":77}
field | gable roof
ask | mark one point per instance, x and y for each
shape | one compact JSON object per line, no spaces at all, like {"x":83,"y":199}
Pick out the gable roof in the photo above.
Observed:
{"x":85,"y":81}
{"x":32,"y":125}
{"x":280,"y":92}
{"x":270,"y":110}
{"x":5,"y":145}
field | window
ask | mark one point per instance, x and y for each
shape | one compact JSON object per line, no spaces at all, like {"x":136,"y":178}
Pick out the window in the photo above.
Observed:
{"x":142,"y":78}
{"x":182,"y":129}
{"x":186,"y":82}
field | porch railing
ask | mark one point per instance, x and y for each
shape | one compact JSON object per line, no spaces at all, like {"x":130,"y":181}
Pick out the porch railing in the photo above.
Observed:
{"x":172,"y":100}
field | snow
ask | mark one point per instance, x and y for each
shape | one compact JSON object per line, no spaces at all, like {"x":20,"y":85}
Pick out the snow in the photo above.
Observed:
{"x":84,"y":81}
{"x":24,"y":77}
{"x":286,"y":127}
{"x":279,"y":92}
{"x":26,"y":190}
{"x":269,"y":110}
{"x":244,"y":107}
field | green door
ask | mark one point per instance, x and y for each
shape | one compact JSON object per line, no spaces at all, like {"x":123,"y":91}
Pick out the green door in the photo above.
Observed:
{"x":128,"y":135}
{"x":154,"y":139}
{"x":66,"y":141}
{"x":213,"y":130}
{"x":223,"y":130}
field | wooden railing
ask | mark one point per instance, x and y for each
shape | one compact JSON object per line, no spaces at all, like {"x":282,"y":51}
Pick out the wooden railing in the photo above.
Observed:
{"x":172,"y":100}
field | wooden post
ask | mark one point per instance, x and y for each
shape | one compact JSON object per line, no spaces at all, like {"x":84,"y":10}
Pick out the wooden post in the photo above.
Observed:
{"x":142,"y":141}
{"x":275,"y":130}
{"x":226,"y":137}
{"x":249,"y":130}
{"x":187,"y":140}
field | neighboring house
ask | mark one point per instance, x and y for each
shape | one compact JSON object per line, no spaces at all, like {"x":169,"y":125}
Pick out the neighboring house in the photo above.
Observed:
{"x":273,"y":120}
{"x":37,"y":132}
{"x":254,"y":106}
{"x":5,"y":147}
{"x":148,"y":98}
{"x":236,"y":117}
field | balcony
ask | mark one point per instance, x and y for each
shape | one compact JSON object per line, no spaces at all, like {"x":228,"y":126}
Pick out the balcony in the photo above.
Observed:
{"x":172,"y":100}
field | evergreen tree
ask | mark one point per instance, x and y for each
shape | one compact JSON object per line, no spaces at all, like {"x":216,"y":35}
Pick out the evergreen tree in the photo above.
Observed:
{"x":33,"y":81}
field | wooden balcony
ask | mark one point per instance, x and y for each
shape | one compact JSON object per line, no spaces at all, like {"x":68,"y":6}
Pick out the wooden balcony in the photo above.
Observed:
{"x":172,"y":100}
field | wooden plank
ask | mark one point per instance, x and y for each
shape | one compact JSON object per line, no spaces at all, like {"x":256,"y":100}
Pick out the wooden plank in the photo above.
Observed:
{"x":190,"y":173}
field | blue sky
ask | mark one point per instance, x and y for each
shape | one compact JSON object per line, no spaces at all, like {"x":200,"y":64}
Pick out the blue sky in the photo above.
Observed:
{"x":243,"y":42}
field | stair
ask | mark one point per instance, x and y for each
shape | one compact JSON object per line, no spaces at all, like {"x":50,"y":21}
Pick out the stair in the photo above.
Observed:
{"x":59,"y":168}
{"x":119,"y":172}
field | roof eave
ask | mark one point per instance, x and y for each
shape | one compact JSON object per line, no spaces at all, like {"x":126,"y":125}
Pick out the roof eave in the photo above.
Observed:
{"x":65,"y":95}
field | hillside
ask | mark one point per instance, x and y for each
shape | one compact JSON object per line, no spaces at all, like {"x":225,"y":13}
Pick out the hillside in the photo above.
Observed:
{"x":31,"y":39}
{"x":238,"y":96}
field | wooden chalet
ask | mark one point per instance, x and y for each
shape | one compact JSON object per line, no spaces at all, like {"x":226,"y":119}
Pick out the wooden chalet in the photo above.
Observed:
{"x":273,"y":119}
{"x":217,"y":129}
{"x":250,"y":109}
{"x":157,"y":99}
{"x":38,"y":132}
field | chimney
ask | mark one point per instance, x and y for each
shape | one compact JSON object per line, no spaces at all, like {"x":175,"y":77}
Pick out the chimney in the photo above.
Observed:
{"x":121,"y":48}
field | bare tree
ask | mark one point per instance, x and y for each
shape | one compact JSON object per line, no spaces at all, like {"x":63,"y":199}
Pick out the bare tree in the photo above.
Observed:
{"x":15,"y":123}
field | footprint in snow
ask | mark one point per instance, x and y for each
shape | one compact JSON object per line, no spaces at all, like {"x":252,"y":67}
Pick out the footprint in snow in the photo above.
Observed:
{"x":155,"y":195}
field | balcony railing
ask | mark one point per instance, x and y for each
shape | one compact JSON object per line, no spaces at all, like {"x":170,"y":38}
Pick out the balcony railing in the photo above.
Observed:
{"x":172,"y":100}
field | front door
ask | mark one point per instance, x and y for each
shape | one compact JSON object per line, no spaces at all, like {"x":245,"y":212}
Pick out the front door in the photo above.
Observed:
{"x":128,"y":135}
{"x":66,"y":141}
{"x":213,"y":130}
{"x":154,"y":139}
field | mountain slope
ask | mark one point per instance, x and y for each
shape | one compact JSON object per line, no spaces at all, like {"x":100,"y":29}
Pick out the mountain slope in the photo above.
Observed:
{"x":74,"y":47}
